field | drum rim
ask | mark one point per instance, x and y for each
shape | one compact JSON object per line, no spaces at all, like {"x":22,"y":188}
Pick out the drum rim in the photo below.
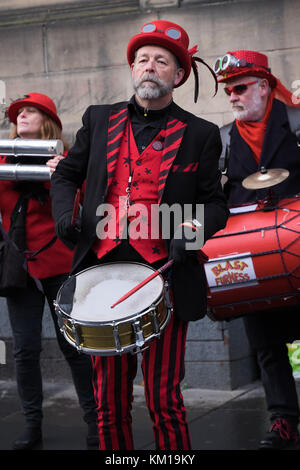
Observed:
{"x":112,"y":323}
{"x":290,"y":199}
{"x":91,"y":323}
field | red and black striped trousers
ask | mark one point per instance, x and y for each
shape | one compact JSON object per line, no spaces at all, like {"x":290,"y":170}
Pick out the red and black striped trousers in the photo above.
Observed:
{"x":163,"y":369}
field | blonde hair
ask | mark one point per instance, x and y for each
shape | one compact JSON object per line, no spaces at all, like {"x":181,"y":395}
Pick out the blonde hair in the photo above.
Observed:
{"x":49,"y":130}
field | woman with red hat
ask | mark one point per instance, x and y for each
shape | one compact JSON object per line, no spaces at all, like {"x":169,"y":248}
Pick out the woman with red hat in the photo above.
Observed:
{"x":152,"y":152}
{"x":263,"y":135}
{"x":27,"y":205}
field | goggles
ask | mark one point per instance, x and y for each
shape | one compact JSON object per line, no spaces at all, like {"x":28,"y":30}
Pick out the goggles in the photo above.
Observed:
{"x":228,"y":62}
{"x":172,"y":33}
{"x":239,"y":89}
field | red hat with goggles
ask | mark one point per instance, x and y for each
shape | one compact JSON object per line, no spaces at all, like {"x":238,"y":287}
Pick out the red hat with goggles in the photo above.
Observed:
{"x":240,"y":63}
{"x":37,"y":100}
{"x":251,"y":63}
{"x":172,"y":37}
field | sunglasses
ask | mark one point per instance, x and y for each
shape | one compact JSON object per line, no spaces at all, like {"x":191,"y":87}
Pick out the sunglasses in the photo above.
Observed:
{"x":239,"y":89}
{"x":172,"y":33}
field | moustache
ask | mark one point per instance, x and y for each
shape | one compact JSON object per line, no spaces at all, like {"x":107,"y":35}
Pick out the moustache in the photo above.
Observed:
{"x":149,"y":77}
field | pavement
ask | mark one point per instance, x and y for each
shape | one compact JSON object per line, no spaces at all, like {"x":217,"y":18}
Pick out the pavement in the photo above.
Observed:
{"x":218,"y":420}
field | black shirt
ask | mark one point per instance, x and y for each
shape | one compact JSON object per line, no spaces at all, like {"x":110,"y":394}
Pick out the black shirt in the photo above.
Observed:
{"x":146,"y":124}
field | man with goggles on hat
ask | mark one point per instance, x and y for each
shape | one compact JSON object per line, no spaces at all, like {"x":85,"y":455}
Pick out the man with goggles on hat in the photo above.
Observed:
{"x":262,"y":135}
{"x":150,"y":151}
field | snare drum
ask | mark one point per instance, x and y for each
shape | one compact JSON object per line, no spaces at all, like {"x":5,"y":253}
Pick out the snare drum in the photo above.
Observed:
{"x":254,"y":263}
{"x":88,"y":322}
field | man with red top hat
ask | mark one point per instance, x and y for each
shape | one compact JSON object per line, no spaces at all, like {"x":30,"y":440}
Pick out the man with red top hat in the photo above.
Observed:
{"x":150,"y":152}
{"x":264,"y":134}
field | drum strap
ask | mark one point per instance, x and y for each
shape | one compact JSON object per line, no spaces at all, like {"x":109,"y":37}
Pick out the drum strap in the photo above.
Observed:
{"x":225,"y":131}
{"x":45,"y":247}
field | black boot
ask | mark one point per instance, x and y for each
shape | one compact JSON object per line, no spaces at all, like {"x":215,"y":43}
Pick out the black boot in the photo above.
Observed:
{"x":281,"y":436}
{"x":30,"y":439}
{"x":92,"y":439}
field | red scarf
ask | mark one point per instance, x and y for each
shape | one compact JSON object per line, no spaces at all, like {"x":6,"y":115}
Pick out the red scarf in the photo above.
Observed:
{"x":253,"y":132}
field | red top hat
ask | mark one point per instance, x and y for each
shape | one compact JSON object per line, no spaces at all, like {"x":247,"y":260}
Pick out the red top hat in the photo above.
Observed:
{"x":249,"y":63}
{"x":37,"y":100}
{"x":168,"y":35}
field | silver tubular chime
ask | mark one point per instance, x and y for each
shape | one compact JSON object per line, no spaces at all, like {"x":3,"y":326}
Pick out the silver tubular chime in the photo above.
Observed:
{"x":19,"y":172}
{"x":28,"y":148}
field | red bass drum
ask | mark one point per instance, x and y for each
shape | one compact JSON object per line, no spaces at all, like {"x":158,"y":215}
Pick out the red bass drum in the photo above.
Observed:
{"x":254,"y":263}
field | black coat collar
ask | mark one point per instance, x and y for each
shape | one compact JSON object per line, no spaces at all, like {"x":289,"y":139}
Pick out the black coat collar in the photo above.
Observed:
{"x":174,"y":110}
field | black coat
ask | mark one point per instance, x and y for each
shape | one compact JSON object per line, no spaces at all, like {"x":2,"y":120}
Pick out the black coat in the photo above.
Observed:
{"x":280,"y":150}
{"x":87,"y":160}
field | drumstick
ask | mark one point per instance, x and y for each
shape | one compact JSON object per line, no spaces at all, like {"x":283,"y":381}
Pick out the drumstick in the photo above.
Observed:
{"x":145,"y":281}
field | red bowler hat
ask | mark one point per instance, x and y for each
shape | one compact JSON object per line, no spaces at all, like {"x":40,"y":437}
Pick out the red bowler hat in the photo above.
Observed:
{"x":37,"y":100}
{"x":173,"y":37}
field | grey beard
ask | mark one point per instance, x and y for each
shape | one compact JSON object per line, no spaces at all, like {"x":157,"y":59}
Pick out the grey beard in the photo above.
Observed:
{"x":241,"y":115}
{"x":146,"y":91}
{"x":251,"y":113}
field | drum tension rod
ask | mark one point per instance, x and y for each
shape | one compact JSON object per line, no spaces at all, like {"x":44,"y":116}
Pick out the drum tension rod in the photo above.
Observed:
{"x":154,"y":322}
{"x":59,"y":319}
{"x":76,"y":337}
{"x":140,"y":340}
{"x":119,"y":348}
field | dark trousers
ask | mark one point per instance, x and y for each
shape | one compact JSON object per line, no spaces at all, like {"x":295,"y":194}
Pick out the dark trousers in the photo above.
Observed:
{"x":278,"y":382}
{"x":268,"y":332}
{"x":26,"y":312}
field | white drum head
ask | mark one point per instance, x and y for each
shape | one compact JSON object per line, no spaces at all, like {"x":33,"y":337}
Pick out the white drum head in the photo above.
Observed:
{"x":100,"y":287}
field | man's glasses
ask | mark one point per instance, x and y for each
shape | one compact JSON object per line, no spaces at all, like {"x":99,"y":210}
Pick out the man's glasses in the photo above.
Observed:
{"x":170,"y":32}
{"x":239,"y":89}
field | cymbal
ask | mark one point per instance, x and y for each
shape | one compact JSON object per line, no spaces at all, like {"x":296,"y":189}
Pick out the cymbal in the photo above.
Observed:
{"x":265,"y":178}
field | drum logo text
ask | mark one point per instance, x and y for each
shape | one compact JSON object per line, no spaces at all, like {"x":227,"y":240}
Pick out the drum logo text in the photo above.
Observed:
{"x":230,"y":273}
{"x":218,"y":269}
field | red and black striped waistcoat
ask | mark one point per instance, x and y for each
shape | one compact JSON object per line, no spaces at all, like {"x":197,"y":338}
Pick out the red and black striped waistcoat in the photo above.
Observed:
{"x":149,"y":174}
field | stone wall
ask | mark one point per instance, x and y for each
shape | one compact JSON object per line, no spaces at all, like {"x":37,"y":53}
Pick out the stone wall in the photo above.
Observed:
{"x":74,"y":51}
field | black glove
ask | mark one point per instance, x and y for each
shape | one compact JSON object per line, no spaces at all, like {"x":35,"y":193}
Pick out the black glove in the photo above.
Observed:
{"x":183,"y":236}
{"x":66,"y":232}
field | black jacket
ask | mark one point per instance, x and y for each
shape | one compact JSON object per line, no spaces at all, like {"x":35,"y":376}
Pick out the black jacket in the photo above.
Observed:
{"x":280,"y":150}
{"x":87,"y":160}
